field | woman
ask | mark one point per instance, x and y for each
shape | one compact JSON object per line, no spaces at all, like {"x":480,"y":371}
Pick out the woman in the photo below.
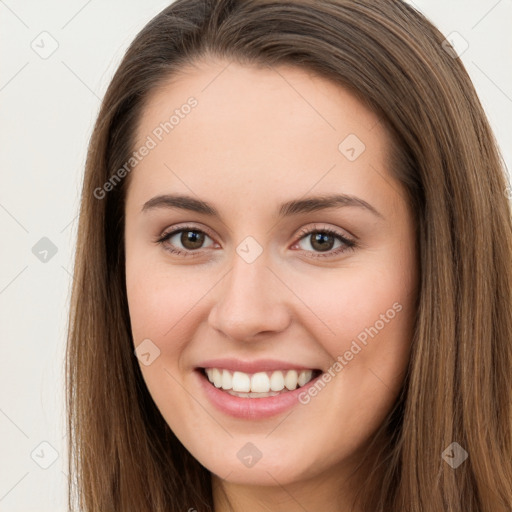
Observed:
{"x":221,"y":356}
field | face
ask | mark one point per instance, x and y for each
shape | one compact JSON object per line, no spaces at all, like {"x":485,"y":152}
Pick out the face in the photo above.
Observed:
{"x":309,"y":306}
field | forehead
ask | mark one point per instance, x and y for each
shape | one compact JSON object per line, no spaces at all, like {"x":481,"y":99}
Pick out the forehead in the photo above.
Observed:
{"x":252,"y":96}
{"x":257,"y":132}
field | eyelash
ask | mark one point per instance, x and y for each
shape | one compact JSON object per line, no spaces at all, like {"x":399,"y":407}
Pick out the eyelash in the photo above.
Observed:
{"x":349,"y":243}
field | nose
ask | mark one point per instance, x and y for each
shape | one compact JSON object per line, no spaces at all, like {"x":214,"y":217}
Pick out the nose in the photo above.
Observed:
{"x":251,"y":302}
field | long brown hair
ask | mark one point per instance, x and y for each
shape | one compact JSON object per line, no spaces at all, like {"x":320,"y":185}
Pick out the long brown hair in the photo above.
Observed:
{"x":458,"y":387}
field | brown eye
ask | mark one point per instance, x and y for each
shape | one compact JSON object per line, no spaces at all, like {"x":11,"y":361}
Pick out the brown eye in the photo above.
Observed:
{"x":324,"y":241}
{"x":192,"y":239}
{"x":184,"y":241}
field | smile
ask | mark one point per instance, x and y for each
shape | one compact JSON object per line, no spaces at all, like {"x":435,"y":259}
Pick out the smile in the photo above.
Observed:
{"x":260,"y":384}
{"x":254,"y":405}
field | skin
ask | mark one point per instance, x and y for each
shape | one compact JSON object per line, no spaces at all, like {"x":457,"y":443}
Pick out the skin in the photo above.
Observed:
{"x":259,"y":137}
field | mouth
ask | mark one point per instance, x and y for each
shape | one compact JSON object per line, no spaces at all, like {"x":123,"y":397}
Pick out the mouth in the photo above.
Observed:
{"x":259,"y":384}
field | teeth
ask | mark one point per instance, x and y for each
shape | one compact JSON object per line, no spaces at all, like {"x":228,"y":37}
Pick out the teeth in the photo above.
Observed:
{"x":291,"y":380}
{"x":217,"y":378}
{"x":277,"y":381}
{"x":253,"y":395}
{"x":227,"y":380}
{"x":261,"y":383}
{"x":305,"y":377}
{"x":241,"y":382}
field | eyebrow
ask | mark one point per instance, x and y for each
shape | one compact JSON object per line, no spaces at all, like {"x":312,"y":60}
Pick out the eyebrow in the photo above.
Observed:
{"x":287,"y":209}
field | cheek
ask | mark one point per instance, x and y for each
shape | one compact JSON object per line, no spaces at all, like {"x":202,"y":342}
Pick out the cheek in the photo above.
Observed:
{"x":364,"y":319}
{"x":161,"y":306}
{"x":366,"y":328}
{"x":160,"y":297}
{"x":357,"y":305}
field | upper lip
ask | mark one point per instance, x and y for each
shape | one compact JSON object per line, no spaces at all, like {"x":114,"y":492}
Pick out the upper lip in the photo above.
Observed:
{"x":259,"y":365}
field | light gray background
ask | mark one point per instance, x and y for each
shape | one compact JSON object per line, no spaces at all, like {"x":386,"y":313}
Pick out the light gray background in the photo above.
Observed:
{"x":48,"y":107}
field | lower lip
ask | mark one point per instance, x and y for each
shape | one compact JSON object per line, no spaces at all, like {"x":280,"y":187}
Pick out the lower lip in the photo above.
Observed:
{"x":251,"y":408}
